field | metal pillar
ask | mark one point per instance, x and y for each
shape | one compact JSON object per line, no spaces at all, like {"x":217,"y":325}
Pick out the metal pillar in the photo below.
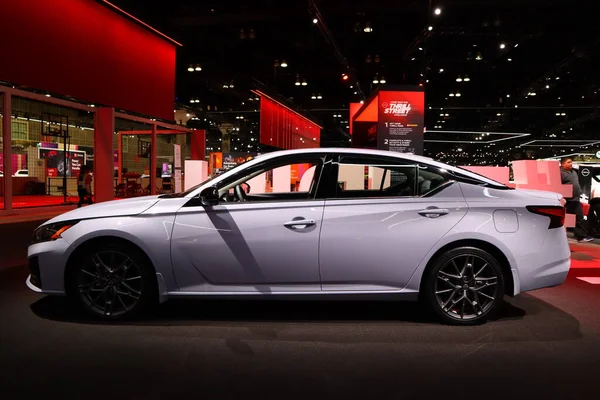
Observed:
{"x":7,"y":149}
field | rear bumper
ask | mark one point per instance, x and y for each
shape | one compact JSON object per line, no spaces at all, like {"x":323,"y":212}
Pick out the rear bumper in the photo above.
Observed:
{"x":547,"y":268}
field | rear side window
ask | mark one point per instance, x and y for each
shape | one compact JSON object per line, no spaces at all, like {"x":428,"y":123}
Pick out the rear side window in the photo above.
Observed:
{"x":359,"y":177}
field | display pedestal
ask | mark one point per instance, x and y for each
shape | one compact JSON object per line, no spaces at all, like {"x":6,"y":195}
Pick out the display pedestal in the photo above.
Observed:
{"x":196,"y":172}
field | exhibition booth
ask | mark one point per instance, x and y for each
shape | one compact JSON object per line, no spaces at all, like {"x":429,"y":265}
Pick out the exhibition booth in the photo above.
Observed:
{"x":107,"y":105}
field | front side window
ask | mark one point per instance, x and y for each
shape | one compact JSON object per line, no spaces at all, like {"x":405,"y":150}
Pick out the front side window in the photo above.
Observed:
{"x":290,"y":179}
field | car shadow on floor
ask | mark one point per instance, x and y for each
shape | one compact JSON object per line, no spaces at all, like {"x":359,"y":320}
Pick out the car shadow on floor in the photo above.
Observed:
{"x":188,"y":311}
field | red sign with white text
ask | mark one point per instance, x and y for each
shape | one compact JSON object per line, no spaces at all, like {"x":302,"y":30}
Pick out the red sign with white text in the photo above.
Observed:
{"x":401,"y":121}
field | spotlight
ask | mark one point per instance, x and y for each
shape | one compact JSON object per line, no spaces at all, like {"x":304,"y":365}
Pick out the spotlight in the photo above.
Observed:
{"x":345,"y":77}
{"x":315,"y":20}
{"x":284,"y":64}
{"x":437,"y":11}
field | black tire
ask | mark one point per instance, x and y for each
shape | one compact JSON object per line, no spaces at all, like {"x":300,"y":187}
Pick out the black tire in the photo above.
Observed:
{"x":442,"y":291}
{"x":106,"y":291}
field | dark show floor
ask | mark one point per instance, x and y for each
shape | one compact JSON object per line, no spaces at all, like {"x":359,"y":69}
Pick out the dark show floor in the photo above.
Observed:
{"x":545,"y":344}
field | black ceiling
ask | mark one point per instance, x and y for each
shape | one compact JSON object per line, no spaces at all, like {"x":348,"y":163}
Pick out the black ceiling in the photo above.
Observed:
{"x":551,"y":49}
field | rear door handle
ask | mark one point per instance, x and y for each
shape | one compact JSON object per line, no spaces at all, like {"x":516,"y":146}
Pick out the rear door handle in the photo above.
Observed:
{"x":434,"y":212}
{"x":299,"y":223}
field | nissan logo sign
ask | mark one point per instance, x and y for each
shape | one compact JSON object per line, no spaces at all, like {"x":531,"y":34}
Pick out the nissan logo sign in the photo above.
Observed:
{"x":585,"y":172}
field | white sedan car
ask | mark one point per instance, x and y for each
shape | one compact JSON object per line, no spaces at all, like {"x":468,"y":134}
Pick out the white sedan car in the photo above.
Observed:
{"x":319,"y":223}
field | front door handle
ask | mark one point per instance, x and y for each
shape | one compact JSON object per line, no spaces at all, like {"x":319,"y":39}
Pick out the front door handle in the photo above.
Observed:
{"x":299,"y":223}
{"x":434,"y":212}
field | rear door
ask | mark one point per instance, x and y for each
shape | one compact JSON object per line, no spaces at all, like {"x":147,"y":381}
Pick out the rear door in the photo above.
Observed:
{"x":381,"y":220}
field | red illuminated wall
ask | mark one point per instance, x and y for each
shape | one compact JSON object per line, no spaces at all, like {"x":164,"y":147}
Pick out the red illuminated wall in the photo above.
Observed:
{"x":283,"y":128}
{"x":86,"y":50}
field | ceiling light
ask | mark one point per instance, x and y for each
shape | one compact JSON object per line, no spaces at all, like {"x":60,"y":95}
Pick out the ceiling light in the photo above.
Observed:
{"x":479,"y":57}
{"x":420,"y":49}
{"x":437,"y":11}
{"x":547,"y":86}
{"x":319,"y":97}
{"x":315,"y":20}
{"x":508,"y":95}
{"x":283,"y":64}
{"x":502,"y":45}
{"x":375,"y":81}
{"x":313,"y":97}
{"x":430,"y":28}
{"x":368,"y":28}
{"x":510,"y":59}
{"x":198,"y":68}
{"x":467,"y":79}
{"x":362,"y":102}
{"x":298,"y":83}
{"x":458,"y":79}
{"x":382,"y":80}
{"x":458,"y":94}
{"x":451,"y":95}
{"x":345,"y":77}
{"x":304,"y":83}
{"x":191,"y":69}
{"x":441,"y":70}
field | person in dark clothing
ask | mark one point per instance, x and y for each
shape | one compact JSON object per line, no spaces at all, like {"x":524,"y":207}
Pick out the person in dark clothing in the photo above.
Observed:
{"x":573,"y":205}
{"x":84,"y":186}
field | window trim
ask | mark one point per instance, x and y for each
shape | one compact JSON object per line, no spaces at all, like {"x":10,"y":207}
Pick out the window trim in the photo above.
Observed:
{"x":321,"y":160}
{"x":380,"y":161}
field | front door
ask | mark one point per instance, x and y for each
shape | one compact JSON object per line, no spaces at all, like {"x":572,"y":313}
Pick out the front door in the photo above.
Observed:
{"x":384,"y":218}
{"x":263,"y":237}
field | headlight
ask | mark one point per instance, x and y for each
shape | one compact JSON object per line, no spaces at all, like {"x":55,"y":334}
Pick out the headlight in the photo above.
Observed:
{"x":49,"y":232}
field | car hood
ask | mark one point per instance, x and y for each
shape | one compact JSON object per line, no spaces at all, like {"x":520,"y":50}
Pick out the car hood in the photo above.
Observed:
{"x":114,"y":208}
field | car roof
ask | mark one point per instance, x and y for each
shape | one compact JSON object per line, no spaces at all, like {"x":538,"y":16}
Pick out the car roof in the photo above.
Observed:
{"x":386,"y":153}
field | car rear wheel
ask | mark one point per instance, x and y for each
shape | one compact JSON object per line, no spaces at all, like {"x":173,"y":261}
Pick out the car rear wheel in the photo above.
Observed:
{"x":465,"y":286}
{"x":113,"y":282}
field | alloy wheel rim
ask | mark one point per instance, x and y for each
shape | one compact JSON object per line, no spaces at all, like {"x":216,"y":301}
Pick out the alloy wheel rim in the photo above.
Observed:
{"x":466,"y":287}
{"x":110,"y":283}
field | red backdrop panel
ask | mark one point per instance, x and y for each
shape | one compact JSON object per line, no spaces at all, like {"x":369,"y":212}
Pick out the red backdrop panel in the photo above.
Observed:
{"x":283,"y":128}
{"x":83,"y":49}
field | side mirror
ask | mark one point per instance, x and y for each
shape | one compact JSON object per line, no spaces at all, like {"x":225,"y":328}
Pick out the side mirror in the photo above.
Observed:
{"x":209,"y":196}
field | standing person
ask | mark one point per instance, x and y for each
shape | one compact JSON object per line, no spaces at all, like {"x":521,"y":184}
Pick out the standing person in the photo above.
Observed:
{"x":84,"y":186}
{"x":573,"y":206}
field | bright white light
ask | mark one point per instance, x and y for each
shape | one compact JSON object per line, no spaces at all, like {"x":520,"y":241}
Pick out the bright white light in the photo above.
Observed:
{"x":315,"y":20}
{"x":437,"y":11}
{"x":191,"y":69}
{"x":502,"y":45}
{"x":430,"y":28}
{"x":441,"y":70}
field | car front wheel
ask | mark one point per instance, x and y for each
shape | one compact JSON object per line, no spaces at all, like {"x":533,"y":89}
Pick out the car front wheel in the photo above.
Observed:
{"x":465,"y":286}
{"x":113,"y":282}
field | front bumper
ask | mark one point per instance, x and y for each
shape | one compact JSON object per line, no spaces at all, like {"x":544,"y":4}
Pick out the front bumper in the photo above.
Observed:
{"x":47,"y":262}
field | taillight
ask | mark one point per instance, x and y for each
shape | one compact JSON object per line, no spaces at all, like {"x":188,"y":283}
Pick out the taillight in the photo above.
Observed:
{"x":556,"y":214}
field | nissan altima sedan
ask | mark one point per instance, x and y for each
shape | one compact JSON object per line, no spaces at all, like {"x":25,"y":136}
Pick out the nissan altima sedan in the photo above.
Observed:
{"x":313,"y":223}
